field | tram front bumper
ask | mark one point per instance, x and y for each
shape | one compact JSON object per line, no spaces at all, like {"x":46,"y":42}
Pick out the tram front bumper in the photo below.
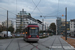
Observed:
{"x":33,"y":39}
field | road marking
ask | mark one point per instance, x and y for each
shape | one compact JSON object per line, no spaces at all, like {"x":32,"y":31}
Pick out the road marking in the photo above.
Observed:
{"x":55,"y":46}
{"x":68,"y":47}
{"x":65,"y":47}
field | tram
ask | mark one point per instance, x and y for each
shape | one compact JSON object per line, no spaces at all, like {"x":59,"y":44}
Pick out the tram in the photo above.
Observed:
{"x":31,"y":32}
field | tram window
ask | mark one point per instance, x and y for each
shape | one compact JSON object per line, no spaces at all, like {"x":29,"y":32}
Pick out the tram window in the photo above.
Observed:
{"x":33,"y":31}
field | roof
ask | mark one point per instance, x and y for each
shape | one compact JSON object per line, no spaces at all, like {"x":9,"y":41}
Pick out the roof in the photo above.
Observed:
{"x":39,"y":21}
{"x":32,"y":26}
{"x":72,"y":20}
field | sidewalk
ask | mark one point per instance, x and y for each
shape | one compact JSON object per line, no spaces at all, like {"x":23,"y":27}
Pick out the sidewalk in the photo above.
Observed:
{"x":60,"y":44}
{"x":70,"y":41}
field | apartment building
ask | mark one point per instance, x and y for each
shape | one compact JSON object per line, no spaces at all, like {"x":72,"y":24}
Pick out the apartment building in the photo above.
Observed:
{"x":23,"y":19}
{"x":72,"y":27}
{"x":10,"y":23}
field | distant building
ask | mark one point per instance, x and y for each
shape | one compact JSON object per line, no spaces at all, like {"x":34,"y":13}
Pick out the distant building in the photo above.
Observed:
{"x":72,"y":27}
{"x":10,"y":23}
{"x":23,"y":19}
{"x":0,"y":23}
{"x":60,"y":24}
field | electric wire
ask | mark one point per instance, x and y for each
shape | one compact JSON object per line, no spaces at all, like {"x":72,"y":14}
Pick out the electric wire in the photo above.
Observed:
{"x":36,"y":6}
{"x":2,"y":15}
{"x":16,"y":6}
{"x":58,"y":9}
{"x":8,"y":11}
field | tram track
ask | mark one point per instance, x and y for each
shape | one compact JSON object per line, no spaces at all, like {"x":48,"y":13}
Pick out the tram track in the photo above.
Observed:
{"x":55,"y":43}
{"x":61,"y":43}
{"x":36,"y":46}
{"x":52,"y":43}
{"x":11,"y":43}
{"x":18,"y":45}
{"x":41,"y":44}
{"x":8,"y":45}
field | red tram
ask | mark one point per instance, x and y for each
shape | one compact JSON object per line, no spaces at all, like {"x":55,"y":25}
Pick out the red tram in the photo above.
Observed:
{"x":31,"y":32}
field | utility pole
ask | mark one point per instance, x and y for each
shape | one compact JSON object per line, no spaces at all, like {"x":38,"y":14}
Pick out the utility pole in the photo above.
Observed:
{"x":7,"y":23}
{"x":42,"y":25}
{"x":21,"y":24}
{"x":45,"y":26}
{"x":66,"y":23}
{"x":56,"y":27}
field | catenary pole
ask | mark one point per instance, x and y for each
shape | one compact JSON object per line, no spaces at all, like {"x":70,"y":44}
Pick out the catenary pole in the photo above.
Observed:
{"x":7,"y":23}
{"x":66,"y":23}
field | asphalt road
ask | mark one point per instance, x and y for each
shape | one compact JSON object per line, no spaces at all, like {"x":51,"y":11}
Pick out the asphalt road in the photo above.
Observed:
{"x":50,"y":43}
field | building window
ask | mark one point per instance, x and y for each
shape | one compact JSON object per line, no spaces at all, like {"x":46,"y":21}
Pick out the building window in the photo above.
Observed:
{"x":67,"y":22}
{"x":74,"y":26}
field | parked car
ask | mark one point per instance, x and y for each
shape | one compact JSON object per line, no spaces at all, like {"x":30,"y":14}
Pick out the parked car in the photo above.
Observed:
{"x":4,"y":34}
{"x":44,"y":34}
{"x":17,"y":34}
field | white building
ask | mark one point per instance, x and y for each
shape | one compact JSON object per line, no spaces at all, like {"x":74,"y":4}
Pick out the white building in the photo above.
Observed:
{"x":0,"y":23}
{"x":35,"y":21}
{"x":10,"y":23}
{"x":23,"y":19}
{"x":72,"y":27}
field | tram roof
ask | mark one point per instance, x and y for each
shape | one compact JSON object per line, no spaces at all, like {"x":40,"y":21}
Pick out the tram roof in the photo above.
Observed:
{"x":32,"y":26}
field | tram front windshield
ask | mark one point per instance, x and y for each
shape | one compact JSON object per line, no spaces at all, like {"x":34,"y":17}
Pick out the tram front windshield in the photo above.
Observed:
{"x":33,"y":31}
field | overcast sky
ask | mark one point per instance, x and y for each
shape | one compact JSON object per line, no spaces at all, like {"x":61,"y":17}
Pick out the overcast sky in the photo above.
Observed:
{"x":44,"y":8}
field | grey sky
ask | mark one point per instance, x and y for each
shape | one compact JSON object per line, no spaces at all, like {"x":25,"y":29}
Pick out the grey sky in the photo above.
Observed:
{"x":46,"y":7}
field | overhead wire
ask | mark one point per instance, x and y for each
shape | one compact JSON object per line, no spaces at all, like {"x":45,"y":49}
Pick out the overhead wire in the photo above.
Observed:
{"x":36,"y":6}
{"x":8,"y":10}
{"x":58,"y":8}
{"x":12,"y":13}
{"x":2,"y":15}
{"x":55,"y":11}
{"x":3,"y":8}
{"x":16,"y":6}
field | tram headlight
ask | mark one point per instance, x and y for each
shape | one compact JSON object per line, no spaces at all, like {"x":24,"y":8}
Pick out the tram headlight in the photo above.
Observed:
{"x":26,"y":32}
